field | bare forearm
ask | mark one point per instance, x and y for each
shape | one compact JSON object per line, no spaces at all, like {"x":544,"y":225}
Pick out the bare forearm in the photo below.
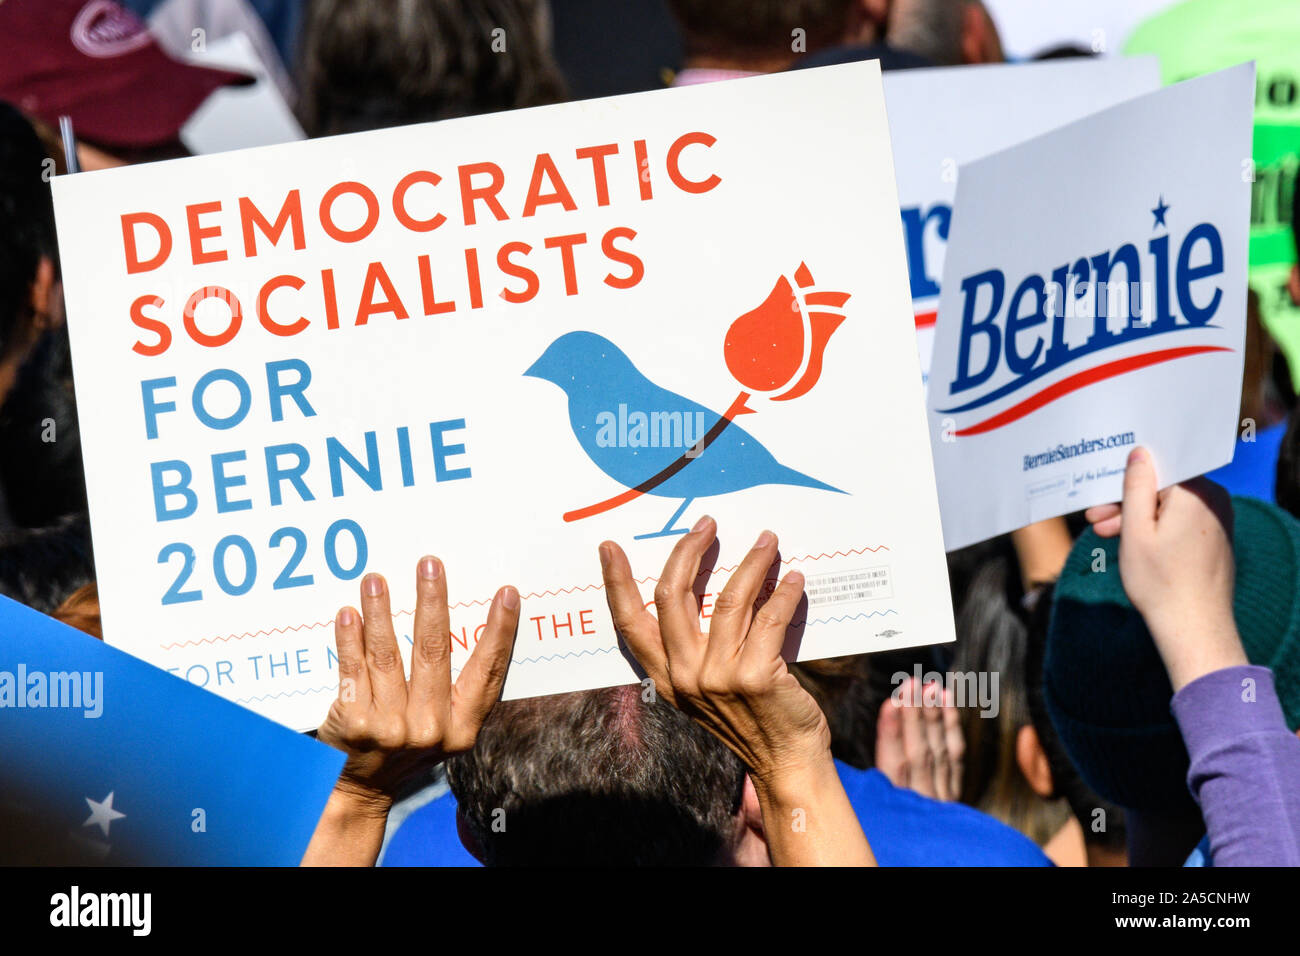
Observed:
{"x":808,"y":819}
{"x":1195,"y":641}
{"x":350,"y":831}
{"x":1041,"y":550}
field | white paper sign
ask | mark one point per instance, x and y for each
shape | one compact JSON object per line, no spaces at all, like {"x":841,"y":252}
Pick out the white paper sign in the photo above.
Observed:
{"x":941,"y":119}
{"x":1030,"y":27}
{"x":486,"y":339}
{"x":1094,"y":299}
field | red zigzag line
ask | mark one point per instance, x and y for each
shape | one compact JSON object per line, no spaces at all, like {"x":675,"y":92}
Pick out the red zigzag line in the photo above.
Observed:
{"x":268,"y":632}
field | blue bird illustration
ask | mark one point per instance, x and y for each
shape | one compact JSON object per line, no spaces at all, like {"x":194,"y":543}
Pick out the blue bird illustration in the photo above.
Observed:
{"x":668,"y":452}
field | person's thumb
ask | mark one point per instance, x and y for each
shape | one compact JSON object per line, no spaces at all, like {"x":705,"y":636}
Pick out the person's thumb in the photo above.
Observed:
{"x":1139,"y":510}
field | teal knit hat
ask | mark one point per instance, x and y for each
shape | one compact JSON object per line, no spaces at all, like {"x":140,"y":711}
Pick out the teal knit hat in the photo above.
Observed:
{"x":1105,"y":686}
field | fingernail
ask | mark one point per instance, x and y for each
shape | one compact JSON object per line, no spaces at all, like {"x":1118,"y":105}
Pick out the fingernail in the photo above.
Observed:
{"x":701,"y":524}
{"x":430,"y":568}
{"x":605,"y":554}
{"x":509,"y":598}
{"x":1137,"y":455}
{"x":794,"y":578}
{"x":346,"y":618}
{"x":764,"y":539}
{"x":373,"y":585}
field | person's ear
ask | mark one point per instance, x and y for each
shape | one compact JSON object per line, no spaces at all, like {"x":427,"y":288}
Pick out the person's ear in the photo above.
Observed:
{"x":750,"y":810}
{"x":467,"y":839}
{"x":1032,"y":760}
{"x":42,"y":296}
{"x":750,"y":848}
{"x":1293,"y":284}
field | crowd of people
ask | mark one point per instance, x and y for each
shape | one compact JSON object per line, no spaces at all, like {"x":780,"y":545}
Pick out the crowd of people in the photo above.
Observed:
{"x":1145,"y":655}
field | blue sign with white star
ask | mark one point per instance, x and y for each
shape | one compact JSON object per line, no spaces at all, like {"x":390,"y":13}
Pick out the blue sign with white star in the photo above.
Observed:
{"x":107,"y":759}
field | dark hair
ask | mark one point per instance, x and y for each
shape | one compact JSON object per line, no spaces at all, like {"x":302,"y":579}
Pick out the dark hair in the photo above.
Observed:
{"x":1065,"y":51}
{"x":1295,"y":211}
{"x":367,"y":65}
{"x":1084,"y":802}
{"x":1286,"y":491}
{"x":597,"y":778}
{"x":841,"y":687}
{"x":758,"y":26}
{"x":42,"y":567}
{"x":41,"y":474}
{"x":965,"y":563}
{"x":26,"y":217}
{"x":991,"y":639}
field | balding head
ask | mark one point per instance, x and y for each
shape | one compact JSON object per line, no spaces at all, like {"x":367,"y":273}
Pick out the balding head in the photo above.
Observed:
{"x":945,"y":32}
{"x":598,"y":778}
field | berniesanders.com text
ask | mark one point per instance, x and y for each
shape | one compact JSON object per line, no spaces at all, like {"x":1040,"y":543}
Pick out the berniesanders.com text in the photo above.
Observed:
{"x":1085,"y":446}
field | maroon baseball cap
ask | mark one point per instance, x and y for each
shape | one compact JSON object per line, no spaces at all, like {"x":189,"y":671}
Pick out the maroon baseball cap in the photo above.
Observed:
{"x":96,"y":62}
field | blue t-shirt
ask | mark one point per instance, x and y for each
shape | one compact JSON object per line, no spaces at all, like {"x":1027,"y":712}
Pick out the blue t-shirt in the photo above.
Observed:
{"x":1253,"y":469}
{"x":903,"y":827}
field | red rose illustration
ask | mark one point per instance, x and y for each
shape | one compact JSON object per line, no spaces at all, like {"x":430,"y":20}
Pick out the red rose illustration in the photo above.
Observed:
{"x":766,"y":347}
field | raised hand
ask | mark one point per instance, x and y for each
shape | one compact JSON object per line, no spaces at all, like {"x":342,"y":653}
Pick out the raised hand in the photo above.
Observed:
{"x":389,"y":726}
{"x":919,"y":743}
{"x":1175,"y":559}
{"x":734,"y":682}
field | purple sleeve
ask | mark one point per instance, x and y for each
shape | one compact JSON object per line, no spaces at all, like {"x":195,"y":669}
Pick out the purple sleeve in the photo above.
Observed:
{"x":1245,"y":766}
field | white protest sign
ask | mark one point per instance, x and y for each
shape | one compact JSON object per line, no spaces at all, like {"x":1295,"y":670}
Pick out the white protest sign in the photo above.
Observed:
{"x":486,"y":339}
{"x":1094,"y":299}
{"x":1030,"y":27}
{"x":941,"y":119}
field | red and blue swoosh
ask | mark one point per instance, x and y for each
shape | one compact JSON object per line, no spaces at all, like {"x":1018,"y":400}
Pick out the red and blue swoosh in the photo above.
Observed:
{"x":1075,"y":382}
